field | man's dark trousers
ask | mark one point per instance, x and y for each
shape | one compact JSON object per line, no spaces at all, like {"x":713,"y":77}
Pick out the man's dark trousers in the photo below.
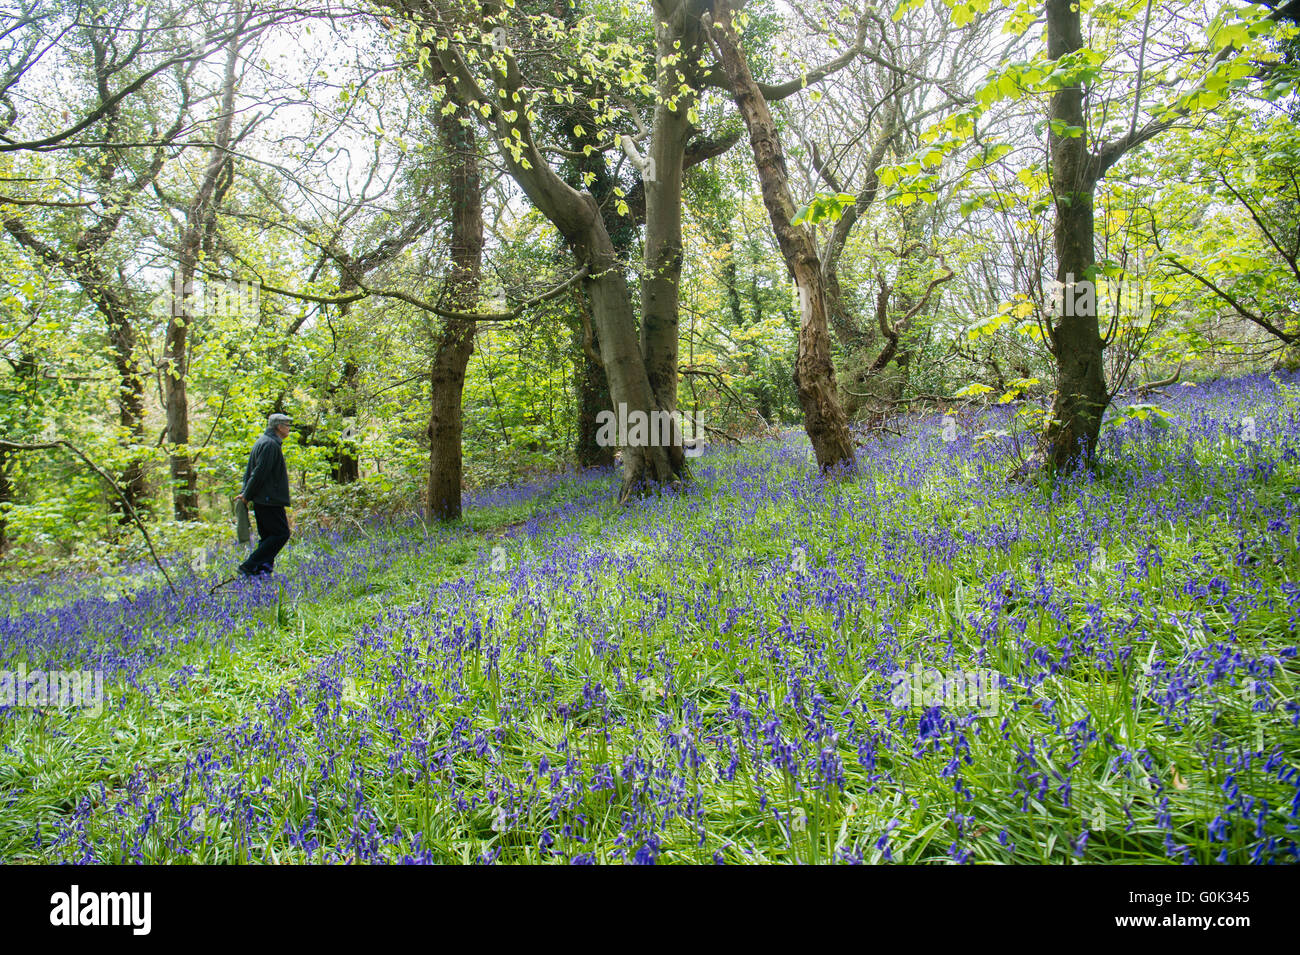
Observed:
{"x":273,"y":533}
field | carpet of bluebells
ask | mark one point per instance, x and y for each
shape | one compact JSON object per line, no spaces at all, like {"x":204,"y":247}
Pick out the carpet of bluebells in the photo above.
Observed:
{"x":706,"y":676}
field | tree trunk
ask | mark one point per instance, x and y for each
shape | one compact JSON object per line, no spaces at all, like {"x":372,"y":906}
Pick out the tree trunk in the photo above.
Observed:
{"x":130,"y":404}
{"x":456,"y":343}
{"x":6,"y":499}
{"x":731,"y":275}
{"x":591,"y":385}
{"x":814,"y":376}
{"x":644,"y":465}
{"x":1081,"y":396}
{"x":592,"y":388}
{"x":446,"y":422}
{"x":200,"y":223}
{"x":175,"y":362}
{"x":679,"y":42}
{"x":577,"y":217}
{"x":345,"y":465}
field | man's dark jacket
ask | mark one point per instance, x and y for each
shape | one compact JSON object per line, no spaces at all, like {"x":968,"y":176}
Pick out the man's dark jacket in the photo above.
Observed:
{"x":266,"y":479}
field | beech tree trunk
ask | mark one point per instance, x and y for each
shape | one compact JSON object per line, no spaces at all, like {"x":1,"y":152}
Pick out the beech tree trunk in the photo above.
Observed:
{"x":824,"y":419}
{"x":578,"y":219}
{"x":679,"y":45}
{"x":629,"y":385}
{"x":1081,"y":395}
{"x":591,"y":385}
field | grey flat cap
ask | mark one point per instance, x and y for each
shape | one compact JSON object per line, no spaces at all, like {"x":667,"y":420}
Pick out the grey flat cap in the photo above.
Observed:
{"x":278,"y":419}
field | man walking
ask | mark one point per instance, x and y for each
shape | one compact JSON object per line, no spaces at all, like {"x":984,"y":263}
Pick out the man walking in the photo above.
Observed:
{"x":266,"y":489}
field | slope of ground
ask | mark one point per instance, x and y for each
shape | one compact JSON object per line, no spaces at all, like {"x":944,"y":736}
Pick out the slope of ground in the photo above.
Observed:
{"x":919,"y":663}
